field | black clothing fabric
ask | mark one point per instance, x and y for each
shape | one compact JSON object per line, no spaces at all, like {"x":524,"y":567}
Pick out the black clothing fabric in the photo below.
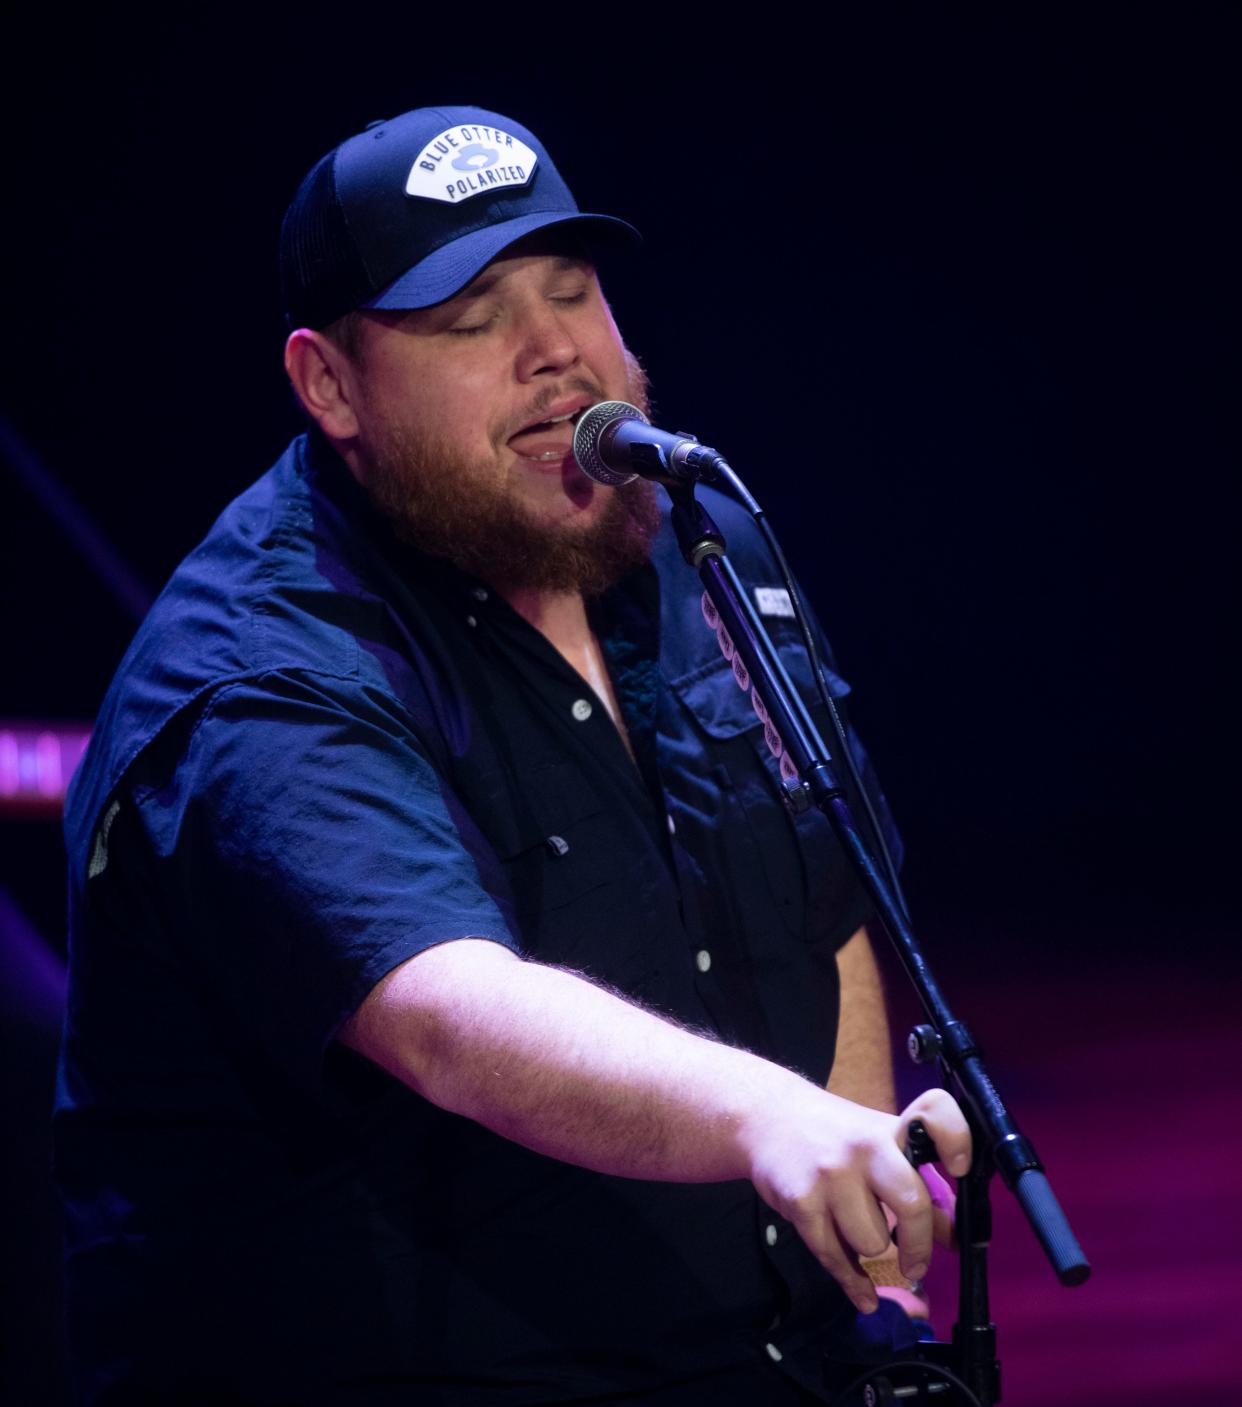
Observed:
{"x":323,"y":754}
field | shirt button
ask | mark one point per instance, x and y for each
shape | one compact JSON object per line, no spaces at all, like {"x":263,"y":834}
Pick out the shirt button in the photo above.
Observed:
{"x":774,"y":1353}
{"x":581,"y":709}
{"x":672,"y":825}
{"x":479,"y":593}
{"x":703,"y":960}
{"x":770,"y":1234}
{"x":471,"y":622}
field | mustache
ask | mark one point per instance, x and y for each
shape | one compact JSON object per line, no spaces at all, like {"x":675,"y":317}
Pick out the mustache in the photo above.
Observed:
{"x":637,"y":393}
{"x":547,"y":397}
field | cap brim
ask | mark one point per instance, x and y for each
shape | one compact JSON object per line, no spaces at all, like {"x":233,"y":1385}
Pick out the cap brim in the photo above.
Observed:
{"x":451,"y":267}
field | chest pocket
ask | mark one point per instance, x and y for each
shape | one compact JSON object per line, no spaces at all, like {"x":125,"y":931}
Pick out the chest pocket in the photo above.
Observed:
{"x":729,"y":815}
{"x":557,"y":843}
{"x":763,"y":859}
{"x":540,"y":835}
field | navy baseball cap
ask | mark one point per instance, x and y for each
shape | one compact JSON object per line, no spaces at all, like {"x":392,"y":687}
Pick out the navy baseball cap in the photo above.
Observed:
{"x":405,"y":214}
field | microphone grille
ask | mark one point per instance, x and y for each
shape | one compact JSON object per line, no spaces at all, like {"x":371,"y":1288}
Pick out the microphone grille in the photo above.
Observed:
{"x":589,"y":432}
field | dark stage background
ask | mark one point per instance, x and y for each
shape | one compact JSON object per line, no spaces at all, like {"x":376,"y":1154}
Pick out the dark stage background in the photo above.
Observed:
{"x":955,"y":292}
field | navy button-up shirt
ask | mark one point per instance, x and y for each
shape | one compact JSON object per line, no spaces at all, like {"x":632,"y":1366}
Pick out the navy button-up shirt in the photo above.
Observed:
{"x":323,"y":754}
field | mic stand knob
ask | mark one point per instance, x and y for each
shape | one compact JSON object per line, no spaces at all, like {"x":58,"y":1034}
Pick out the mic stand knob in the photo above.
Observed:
{"x":923,"y":1044}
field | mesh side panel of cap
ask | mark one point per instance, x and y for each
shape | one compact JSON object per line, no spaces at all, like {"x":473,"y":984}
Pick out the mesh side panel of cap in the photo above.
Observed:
{"x":321,"y":273}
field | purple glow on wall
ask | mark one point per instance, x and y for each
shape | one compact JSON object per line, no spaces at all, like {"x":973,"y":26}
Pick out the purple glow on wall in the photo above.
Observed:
{"x":32,"y":976}
{"x":36,"y":762}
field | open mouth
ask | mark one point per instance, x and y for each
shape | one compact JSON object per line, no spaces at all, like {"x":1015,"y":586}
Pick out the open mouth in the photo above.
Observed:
{"x":547,"y":441}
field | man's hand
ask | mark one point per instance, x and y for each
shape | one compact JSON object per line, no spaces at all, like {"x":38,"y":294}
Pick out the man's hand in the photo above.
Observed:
{"x":862,"y":1071}
{"x":831,"y":1169}
{"x":885,"y":1272}
{"x":547,"y":1059}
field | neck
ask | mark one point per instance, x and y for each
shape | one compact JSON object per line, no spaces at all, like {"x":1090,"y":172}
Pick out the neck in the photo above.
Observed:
{"x":559,"y":616}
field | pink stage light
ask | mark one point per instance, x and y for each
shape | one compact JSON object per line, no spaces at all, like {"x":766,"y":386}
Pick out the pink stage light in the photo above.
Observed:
{"x":36,"y":762}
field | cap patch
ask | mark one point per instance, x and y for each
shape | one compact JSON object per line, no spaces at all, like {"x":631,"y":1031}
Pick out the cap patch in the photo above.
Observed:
{"x":470,"y":160}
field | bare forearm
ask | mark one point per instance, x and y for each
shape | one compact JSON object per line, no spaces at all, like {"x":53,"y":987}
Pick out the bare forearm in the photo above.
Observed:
{"x":548,"y":1060}
{"x":862,"y":1068}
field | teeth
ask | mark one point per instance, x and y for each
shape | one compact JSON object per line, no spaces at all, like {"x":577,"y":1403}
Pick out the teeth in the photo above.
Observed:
{"x":549,"y":455}
{"x":556,"y":420}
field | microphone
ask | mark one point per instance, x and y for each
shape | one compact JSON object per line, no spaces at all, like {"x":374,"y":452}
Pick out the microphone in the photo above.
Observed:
{"x":615,"y":443}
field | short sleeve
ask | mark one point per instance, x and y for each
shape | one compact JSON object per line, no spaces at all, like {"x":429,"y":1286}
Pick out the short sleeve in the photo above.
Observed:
{"x":305,"y":846}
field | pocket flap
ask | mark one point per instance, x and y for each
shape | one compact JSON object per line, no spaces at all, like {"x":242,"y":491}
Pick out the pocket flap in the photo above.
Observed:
{"x":723,"y":710}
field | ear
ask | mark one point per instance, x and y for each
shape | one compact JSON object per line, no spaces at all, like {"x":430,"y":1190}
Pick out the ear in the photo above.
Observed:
{"x":319,"y":372}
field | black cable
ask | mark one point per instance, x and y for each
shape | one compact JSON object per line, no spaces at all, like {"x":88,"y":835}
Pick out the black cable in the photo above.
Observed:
{"x":968,"y":1400}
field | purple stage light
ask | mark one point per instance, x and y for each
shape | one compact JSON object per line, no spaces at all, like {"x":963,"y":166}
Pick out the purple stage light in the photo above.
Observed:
{"x":36,"y":762}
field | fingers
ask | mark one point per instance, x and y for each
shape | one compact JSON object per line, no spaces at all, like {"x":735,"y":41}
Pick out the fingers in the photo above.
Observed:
{"x":833,"y":1178}
{"x":922,"y":1207}
{"x":944,"y":1207}
{"x":905,"y":1194}
{"x":946,"y":1124}
{"x":843,"y":1220}
{"x":861,"y":1223}
{"x":840,"y":1261}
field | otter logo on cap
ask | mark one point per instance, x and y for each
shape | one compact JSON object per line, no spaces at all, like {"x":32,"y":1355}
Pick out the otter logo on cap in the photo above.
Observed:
{"x":469,"y":160}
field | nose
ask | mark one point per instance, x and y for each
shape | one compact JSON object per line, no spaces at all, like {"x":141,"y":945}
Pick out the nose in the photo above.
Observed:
{"x":547,"y":343}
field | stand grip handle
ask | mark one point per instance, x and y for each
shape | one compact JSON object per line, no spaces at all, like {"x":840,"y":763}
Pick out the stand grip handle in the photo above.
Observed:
{"x":1034,"y":1193}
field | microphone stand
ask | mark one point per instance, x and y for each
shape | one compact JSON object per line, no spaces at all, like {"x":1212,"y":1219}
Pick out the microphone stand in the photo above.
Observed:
{"x":808,"y":779}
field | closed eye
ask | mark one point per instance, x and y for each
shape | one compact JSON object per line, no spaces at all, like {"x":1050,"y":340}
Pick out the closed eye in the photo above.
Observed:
{"x":470,"y":329}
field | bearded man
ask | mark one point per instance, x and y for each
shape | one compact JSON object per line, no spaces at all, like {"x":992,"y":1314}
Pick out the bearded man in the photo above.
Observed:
{"x":456,"y":1015}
